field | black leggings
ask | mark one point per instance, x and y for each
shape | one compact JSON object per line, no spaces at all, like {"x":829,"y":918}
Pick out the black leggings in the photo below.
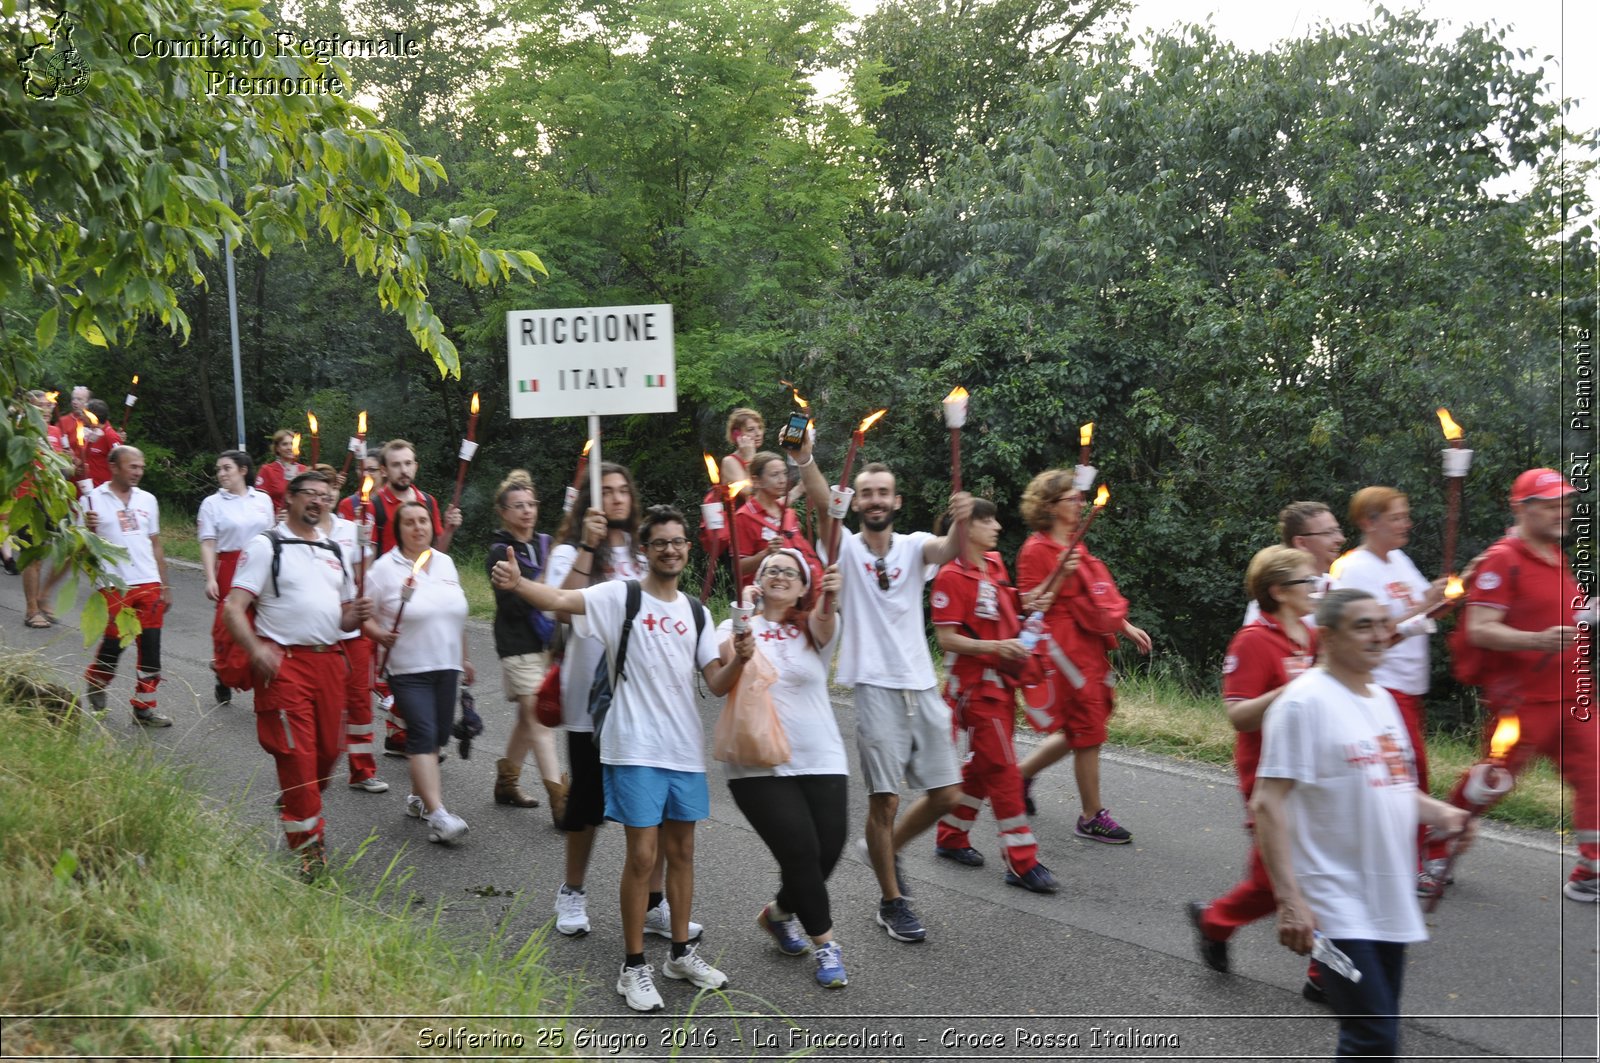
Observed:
{"x":803,"y":820}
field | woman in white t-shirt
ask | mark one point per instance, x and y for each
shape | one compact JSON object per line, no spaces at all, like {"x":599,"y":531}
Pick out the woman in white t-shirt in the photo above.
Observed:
{"x":799,"y":808}
{"x":426,"y":660}
{"x":227,"y":520}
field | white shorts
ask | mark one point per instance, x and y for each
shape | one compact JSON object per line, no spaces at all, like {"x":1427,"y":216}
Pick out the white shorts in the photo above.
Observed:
{"x":904,"y":734}
{"x":522,"y":674}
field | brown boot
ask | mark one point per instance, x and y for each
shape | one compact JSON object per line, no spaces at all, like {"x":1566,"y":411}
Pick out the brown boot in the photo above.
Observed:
{"x":557,"y":792}
{"x":506,"y":790}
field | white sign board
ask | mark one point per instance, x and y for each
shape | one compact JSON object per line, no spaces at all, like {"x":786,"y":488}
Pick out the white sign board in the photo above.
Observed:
{"x":592,"y":360}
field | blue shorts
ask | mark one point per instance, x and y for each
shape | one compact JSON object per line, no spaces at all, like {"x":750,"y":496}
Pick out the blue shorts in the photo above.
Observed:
{"x":642,"y":796}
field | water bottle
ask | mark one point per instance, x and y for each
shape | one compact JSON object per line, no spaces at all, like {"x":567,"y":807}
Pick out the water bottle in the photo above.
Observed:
{"x":1032,"y":630}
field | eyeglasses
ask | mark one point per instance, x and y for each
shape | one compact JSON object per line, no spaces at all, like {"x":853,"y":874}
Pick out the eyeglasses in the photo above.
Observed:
{"x":677,"y":543}
{"x":1066,"y":498}
{"x":775,"y":572}
{"x":315,"y":496}
{"x":880,"y":568}
{"x":1297,"y":582}
{"x":1326,"y":531}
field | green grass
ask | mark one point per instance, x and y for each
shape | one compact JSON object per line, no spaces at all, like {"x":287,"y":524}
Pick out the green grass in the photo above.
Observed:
{"x":1155,"y":714}
{"x":128,"y":897}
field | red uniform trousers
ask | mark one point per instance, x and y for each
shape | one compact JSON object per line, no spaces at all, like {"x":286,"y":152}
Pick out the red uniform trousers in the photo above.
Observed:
{"x":1248,"y":901}
{"x":1569,"y":736}
{"x":359,"y":730}
{"x":1413,"y":712}
{"x":299,"y":717}
{"x":991,"y":772}
{"x":145,"y":600}
{"x":227,"y":564}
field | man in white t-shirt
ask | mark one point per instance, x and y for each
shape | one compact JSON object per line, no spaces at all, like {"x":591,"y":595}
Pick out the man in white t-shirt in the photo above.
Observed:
{"x":903,"y":726}
{"x":652,"y":745}
{"x":123,"y":515}
{"x":1337,"y":808}
{"x":1312,"y":527}
{"x":305,"y":600}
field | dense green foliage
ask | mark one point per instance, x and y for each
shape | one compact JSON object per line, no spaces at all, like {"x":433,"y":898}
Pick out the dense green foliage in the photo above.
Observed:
{"x":1258,"y":273}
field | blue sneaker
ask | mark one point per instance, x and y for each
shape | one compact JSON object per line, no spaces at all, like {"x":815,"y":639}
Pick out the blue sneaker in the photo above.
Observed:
{"x":786,"y":932}
{"x":1037,"y":879}
{"x":830,"y":967}
{"x":900,"y":921}
{"x":967,"y":857}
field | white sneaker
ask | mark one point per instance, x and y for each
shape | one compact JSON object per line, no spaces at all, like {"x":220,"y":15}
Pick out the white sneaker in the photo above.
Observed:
{"x":692,"y":968}
{"x":637,"y":985}
{"x":658,"y":921}
{"x":572,"y":911}
{"x":414,"y":806}
{"x":445,"y":827}
{"x":371,"y":786}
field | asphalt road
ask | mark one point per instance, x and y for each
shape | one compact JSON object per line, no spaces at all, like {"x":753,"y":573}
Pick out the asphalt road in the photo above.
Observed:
{"x":1105,"y":970}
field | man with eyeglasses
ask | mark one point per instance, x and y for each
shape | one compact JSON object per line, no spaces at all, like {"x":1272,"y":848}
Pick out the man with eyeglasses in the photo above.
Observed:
{"x":370,"y":466}
{"x":1312,"y":527}
{"x":304,"y":597}
{"x":652,"y":745}
{"x":903,"y":726}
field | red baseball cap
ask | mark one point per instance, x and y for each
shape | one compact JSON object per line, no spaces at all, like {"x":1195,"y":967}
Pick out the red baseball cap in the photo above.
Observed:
{"x":1540,"y":483}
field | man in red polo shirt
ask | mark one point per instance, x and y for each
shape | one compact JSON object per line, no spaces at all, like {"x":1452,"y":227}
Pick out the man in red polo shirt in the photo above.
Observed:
{"x":304,"y":598}
{"x":975,"y":619}
{"x":1525,"y":607}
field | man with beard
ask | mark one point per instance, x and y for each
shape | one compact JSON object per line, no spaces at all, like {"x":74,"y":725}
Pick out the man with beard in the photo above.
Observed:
{"x":1527,"y":610}
{"x":652,"y":745}
{"x":903,"y":726}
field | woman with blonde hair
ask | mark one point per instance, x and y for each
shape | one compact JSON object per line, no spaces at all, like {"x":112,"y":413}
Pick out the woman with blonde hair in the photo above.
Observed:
{"x":522,"y":638}
{"x":1084,"y":615}
{"x":278,"y":470}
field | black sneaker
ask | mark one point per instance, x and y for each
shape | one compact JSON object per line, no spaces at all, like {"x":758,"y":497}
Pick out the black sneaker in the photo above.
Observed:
{"x":223,"y":694}
{"x":1213,"y":953}
{"x":900,"y":921}
{"x":967,"y":857}
{"x":1314,"y":993}
{"x":394,"y":747}
{"x":1037,"y":879}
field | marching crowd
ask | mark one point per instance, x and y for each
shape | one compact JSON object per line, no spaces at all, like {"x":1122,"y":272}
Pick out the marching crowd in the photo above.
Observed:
{"x":324,"y":605}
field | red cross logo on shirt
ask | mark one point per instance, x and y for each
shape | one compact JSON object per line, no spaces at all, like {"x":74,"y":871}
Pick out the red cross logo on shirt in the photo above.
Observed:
{"x":770,"y":634}
{"x":649,"y":621}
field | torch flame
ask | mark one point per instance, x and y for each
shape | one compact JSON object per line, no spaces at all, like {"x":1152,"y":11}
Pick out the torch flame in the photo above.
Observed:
{"x":588,"y":445}
{"x":297,"y":444}
{"x":711,"y":469}
{"x":1102,"y":496}
{"x":474,"y":403}
{"x":93,"y":420}
{"x":421,"y":562}
{"x":52,"y":396}
{"x":957,"y":393}
{"x":871,"y":419}
{"x":1506,"y":733}
{"x":799,"y":400}
{"x":361,"y":423}
{"x":366,"y":489}
{"x":136,"y":380}
{"x":737,"y":486}
{"x":80,"y":435}
{"x":1086,"y":435}
{"x":1453,"y":588}
{"x":1452,"y":431}
{"x":311,"y":419}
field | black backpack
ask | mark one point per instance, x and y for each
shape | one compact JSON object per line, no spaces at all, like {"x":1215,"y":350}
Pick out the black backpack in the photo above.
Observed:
{"x":605,"y":680}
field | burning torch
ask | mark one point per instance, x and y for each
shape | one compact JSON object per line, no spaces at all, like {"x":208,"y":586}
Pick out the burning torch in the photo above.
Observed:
{"x":316,"y":440}
{"x":469,"y":448}
{"x":407,"y":589}
{"x":1457,"y":460}
{"x":127,"y":404}
{"x":955,"y":417}
{"x":358,"y":444}
{"x":571,"y":498}
{"x":1485,"y":785}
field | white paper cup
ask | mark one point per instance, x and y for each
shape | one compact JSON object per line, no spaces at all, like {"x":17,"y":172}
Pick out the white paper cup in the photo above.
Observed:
{"x":469,"y":450}
{"x":741,"y":616}
{"x":839,"y":501}
{"x":1456,"y":461}
{"x":570,"y":499}
{"x":712,"y":516}
{"x":1485,"y":783}
{"x":1083,"y":478}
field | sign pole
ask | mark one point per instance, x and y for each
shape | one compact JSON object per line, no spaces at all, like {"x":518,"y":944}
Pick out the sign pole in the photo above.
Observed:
{"x":594,"y":465}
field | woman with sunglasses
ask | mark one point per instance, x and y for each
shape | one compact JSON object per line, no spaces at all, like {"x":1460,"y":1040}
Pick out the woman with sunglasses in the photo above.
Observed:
{"x":1263,"y":657}
{"x":799,"y":808}
{"x":1084,"y":615}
